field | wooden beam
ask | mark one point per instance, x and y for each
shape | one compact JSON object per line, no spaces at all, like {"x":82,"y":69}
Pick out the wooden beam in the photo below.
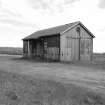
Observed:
{"x":29,"y":53}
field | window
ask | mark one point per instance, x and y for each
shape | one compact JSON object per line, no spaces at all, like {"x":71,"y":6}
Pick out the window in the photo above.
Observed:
{"x":78,"y":29}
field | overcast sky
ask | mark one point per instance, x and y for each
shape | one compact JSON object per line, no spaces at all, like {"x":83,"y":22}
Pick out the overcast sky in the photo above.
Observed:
{"x":19,"y":18}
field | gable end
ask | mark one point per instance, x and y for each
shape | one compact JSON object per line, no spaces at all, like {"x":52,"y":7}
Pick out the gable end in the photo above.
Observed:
{"x":79,"y":23}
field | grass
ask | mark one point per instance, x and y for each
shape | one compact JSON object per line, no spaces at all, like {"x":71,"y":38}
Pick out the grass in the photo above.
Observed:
{"x":28,"y":82}
{"x":11,"y":50}
{"x":24,"y":90}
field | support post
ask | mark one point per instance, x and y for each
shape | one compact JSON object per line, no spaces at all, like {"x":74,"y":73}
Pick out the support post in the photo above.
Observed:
{"x":29,"y":53}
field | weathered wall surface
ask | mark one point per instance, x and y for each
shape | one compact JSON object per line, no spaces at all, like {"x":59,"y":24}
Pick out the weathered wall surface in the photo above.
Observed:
{"x":51,"y":47}
{"x":45,"y":47}
{"x":25,"y":48}
{"x":86,"y":45}
{"x":72,"y":45}
{"x":69,"y":45}
{"x":36,"y":48}
{"x":76,"y":46}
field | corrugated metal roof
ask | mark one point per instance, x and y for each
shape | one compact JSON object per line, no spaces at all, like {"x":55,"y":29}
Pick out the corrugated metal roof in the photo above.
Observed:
{"x":50,"y":31}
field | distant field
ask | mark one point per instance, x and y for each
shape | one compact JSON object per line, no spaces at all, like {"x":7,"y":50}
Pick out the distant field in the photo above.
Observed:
{"x":30,"y":82}
{"x":99,"y":57}
{"x":11,"y":50}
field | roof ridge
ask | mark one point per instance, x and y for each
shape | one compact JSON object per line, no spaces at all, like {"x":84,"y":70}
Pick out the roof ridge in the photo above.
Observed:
{"x":54,"y":30}
{"x":59,"y":25}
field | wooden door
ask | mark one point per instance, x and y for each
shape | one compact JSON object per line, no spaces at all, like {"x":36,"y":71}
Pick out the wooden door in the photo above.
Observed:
{"x":68,"y":49}
{"x":86,"y":47}
{"x":75,"y":49}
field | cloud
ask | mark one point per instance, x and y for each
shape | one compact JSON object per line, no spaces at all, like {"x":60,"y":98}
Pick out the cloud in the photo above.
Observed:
{"x":101,"y":4}
{"x":8,"y":17}
{"x":40,"y":4}
{"x":50,"y":5}
{"x":7,"y":11}
{"x":11,"y":17}
{"x":12,"y":13}
{"x":70,"y":1}
{"x":15,"y":22}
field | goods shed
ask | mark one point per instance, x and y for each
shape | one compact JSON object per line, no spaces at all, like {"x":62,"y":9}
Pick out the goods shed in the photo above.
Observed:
{"x":69,"y":42}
